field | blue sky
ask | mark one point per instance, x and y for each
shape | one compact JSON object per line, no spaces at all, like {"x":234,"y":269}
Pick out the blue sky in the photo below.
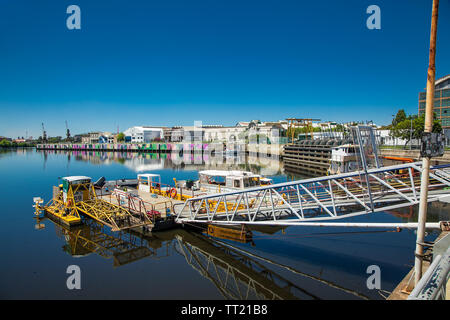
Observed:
{"x":175,"y":61}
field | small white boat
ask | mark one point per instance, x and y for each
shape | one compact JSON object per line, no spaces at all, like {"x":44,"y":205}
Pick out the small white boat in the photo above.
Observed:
{"x":216,"y":181}
{"x":344,"y":159}
{"x":209,"y":182}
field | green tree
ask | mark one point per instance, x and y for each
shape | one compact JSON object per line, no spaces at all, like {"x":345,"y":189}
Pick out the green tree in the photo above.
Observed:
{"x":404,"y":131}
{"x":399,"y":117}
{"x":54,"y":139}
{"x":5,"y":143}
{"x":121,"y":137}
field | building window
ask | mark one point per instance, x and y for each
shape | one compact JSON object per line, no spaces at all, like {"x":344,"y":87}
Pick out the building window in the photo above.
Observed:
{"x":446,"y":102}
{"x":445,"y":122}
{"x":437,"y":93}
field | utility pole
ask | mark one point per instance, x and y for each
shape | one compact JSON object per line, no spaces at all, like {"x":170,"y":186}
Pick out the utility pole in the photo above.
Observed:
{"x":426,"y":160}
{"x":410,"y":136}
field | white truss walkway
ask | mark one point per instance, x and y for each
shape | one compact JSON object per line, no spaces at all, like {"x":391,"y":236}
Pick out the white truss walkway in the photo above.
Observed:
{"x":319,"y":199}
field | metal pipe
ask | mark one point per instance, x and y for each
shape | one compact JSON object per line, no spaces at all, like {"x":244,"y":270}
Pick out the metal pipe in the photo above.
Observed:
{"x":426,"y":161}
{"x":433,"y":283}
{"x":408,"y":225}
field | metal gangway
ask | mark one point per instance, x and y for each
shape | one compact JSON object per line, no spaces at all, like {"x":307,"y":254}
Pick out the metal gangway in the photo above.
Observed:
{"x":371,"y":188}
{"x":318,"y":199}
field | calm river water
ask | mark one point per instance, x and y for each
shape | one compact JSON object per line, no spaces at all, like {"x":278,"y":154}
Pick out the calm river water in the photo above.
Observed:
{"x":295,"y":263}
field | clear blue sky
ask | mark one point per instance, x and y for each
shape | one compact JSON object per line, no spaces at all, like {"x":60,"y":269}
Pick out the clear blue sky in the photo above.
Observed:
{"x":220,"y":61}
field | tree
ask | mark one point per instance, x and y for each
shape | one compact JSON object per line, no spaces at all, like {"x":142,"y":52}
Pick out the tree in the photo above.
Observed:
{"x":5,"y":143}
{"x":55,"y":139}
{"x":121,"y":137}
{"x":403,"y":131}
{"x":399,"y":117}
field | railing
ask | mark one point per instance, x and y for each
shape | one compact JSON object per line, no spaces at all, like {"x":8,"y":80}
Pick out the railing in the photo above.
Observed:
{"x":134,"y":203}
{"x":166,"y":190}
{"x":324,"y":198}
{"x":432,"y":285}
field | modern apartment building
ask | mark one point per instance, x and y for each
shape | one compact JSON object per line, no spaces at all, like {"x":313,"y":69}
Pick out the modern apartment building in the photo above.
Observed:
{"x":441,"y":102}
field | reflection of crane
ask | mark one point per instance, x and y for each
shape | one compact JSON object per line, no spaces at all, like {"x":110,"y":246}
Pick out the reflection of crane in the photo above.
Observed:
{"x":67,"y":132}
{"x":44,"y":134}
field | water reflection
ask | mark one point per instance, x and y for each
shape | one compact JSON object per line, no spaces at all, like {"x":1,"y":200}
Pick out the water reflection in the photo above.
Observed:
{"x":235,"y":272}
{"x":139,"y":162}
{"x":302,"y":263}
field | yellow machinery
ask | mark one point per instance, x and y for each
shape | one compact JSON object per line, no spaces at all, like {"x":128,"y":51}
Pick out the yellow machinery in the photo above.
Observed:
{"x":60,"y":206}
{"x":302,"y":123}
{"x":243,"y":235}
{"x":77,"y":195}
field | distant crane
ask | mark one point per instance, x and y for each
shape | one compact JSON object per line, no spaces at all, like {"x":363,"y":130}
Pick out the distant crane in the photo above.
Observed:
{"x":67,"y":132}
{"x":44,"y":134}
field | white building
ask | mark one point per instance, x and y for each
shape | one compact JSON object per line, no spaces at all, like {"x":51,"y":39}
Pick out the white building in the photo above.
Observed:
{"x":384,"y":138}
{"x":141,"y":134}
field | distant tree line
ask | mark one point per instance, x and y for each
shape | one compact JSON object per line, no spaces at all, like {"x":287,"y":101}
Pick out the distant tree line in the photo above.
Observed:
{"x":11,"y":144}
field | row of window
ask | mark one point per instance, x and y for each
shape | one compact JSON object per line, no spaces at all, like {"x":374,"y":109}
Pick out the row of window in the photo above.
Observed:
{"x":440,"y":112}
{"x":445,"y":122}
{"x":437,"y":103}
{"x":444,"y":93}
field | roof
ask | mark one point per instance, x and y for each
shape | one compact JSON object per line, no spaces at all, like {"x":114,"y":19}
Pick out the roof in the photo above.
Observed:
{"x":440,"y":80}
{"x":226,"y":173}
{"x":345,"y":146}
{"x":148,"y":175}
{"x":76,"y":178}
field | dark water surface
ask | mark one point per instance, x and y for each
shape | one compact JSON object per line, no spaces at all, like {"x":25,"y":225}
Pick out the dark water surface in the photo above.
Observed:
{"x":295,"y":263}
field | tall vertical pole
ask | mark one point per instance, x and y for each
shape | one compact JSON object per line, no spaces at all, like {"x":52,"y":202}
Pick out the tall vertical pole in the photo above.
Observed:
{"x":426,"y":161}
{"x":410,"y":136}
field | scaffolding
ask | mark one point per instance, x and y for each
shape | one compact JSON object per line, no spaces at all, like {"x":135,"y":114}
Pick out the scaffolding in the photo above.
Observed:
{"x":306,"y":123}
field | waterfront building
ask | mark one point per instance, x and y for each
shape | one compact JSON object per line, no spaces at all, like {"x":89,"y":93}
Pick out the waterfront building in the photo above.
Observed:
{"x":441,"y":104}
{"x":91,"y":137}
{"x":384,"y":137}
{"x":143,"y":134}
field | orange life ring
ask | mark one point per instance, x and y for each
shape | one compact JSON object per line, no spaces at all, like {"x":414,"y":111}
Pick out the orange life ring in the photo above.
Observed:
{"x":173,"y":193}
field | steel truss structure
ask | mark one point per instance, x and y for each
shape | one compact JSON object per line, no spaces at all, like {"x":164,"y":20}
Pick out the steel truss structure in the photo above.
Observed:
{"x":113,"y":216}
{"x":107,"y":213}
{"x":318,"y":199}
{"x":238,"y":274}
{"x":123,"y":248}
